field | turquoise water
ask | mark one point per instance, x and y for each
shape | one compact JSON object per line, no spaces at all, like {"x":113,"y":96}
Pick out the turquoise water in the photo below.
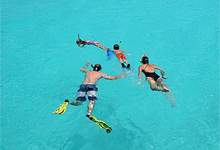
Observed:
{"x":40,"y":65}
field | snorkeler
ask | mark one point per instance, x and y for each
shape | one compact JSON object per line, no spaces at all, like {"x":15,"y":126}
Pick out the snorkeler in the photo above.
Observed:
{"x":88,"y":86}
{"x":156,"y":82}
{"x":121,"y":56}
{"x":81,"y":43}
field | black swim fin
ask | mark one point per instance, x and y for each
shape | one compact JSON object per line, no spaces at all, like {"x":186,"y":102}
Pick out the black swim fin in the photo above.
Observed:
{"x":123,"y":65}
{"x":129,"y":66}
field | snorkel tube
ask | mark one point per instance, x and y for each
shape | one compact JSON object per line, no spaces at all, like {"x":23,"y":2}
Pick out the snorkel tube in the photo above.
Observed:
{"x":79,"y":41}
{"x":119,"y":44}
{"x":142,"y":58}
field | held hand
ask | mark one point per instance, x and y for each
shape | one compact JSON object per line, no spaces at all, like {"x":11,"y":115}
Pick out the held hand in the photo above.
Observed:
{"x":139,"y":81}
{"x":88,"y":62}
{"x":123,"y":75}
{"x":163,"y":74}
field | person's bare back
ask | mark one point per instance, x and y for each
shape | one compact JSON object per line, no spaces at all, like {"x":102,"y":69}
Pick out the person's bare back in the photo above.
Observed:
{"x":92,"y":77}
{"x":118,"y":51}
{"x":148,"y":68}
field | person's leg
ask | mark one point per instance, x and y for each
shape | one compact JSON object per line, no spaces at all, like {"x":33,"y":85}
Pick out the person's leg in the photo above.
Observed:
{"x":92,"y":98}
{"x":122,"y":64}
{"x":120,"y":60}
{"x":153,"y":85}
{"x":81,"y":93}
{"x":90,"y":107}
{"x":161,"y":83}
{"x":76,"y":102}
{"x":128,"y":65}
{"x":100,"y":46}
{"x":125,"y":60}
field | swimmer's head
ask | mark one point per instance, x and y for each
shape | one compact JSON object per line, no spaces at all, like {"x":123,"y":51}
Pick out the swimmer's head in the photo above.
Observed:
{"x":78,"y":41}
{"x":97,"y":67}
{"x":116,"y":46}
{"x":145,"y":60}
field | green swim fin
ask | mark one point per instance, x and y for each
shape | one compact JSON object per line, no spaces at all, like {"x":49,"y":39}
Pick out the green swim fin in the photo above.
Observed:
{"x":101,"y":124}
{"x":62,"y":108}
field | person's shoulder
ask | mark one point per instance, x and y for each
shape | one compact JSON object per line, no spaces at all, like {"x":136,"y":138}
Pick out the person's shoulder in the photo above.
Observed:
{"x":152,"y":65}
{"x":141,"y":66}
{"x":85,"y":70}
{"x":98,"y":73}
{"x":103,"y":74}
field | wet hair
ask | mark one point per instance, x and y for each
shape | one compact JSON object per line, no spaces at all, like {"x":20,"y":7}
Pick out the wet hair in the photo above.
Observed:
{"x":97,"y":67}
{"x":116,"y":46}
{"x":78,"y":41}
{"x":145,"y":60}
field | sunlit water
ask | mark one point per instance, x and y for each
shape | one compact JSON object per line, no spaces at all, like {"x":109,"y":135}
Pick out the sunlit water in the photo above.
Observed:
{"x":40,"y":68}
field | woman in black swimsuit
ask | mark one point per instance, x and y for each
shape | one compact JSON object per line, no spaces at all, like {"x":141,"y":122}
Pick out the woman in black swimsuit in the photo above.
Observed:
{"x":156,"y":82}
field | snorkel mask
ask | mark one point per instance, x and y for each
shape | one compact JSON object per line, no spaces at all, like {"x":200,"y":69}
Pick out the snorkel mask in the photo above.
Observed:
{"x":97,"y":67}
{"x":144,"y":59}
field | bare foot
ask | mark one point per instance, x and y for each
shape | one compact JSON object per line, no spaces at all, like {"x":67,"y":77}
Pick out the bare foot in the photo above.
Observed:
{"x":165,"y":89}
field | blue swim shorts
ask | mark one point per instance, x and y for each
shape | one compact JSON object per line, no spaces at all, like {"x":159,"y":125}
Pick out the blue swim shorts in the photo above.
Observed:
{"x":87,"y":89}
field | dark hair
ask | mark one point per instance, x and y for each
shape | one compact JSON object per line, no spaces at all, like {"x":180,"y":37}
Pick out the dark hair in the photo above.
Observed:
{"x":78,"y":41}
{"x":97,"y":67}
{"x":145,"y":60}
{"x":116,"y":46}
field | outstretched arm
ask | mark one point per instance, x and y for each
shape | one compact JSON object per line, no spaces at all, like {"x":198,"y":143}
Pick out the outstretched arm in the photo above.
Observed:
{"x":84,"y":68}
{"x":113,"y":78}
{"x":139,"y":72}
{"x":161,"y":71}
{"x":125,"y":52}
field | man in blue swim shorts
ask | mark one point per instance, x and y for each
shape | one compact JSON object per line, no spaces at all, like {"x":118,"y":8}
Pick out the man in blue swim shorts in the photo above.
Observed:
{"x":88,"y":86}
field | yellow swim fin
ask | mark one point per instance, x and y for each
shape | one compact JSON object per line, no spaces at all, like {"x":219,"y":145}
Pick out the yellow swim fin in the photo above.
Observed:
{"x":101,"y":124}
{"x":62,"y":108}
